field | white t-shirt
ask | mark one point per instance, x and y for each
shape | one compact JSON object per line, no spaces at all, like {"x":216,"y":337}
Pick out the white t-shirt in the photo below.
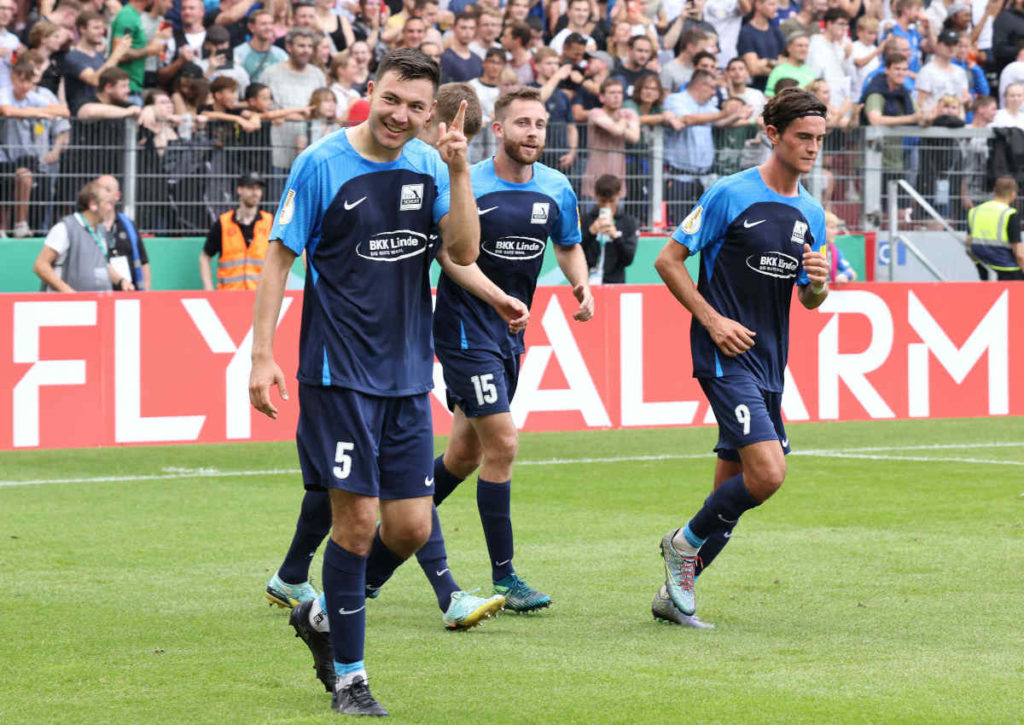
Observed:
{"x":57,"y":239}
{"x":7,"y":40}
{"x":726,"y":17}
{"x":559,"y":40}
{"x":828,"y":60}
{"x":1005,"y":119}
{"x":977,"y":13}
{"x":937,"y":82}
{"x":859,"y":75}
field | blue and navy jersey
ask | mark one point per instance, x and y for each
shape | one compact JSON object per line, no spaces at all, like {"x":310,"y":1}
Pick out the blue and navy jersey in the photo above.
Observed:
{"x":365,"y":228}
{"x":516,"y":221}
{"x":751,"y":241}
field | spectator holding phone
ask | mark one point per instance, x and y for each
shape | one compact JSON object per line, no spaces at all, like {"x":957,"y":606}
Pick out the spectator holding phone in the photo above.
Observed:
{"x":609,"y":233}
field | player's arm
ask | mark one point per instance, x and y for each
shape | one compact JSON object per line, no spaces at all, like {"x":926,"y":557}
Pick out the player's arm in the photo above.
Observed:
{"x":460,"y":227}
{"x":269,"y":294}
{"x":729,"y":336}
{"x":472,"y":279}
{"x":816,"y":267}
{"x":573,"y":264}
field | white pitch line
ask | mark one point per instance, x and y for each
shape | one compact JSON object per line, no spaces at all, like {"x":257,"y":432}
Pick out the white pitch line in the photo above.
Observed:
{"x":172,"y":474}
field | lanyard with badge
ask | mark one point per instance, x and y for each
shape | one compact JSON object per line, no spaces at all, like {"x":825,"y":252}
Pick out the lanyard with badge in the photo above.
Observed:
{"x":118,"y":262}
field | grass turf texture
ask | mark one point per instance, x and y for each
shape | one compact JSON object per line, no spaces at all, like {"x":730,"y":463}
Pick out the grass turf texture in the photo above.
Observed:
{"x":865,"y":591}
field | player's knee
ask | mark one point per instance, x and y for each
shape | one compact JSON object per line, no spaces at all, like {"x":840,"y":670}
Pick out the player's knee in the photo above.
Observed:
{"x":502,"y":448}
{"x":406,"y":538}
{"x":765,"y":480}
{"x":462,"y":459}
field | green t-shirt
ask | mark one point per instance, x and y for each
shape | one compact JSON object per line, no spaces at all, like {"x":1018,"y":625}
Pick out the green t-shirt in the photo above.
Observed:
{"x":802,"y":74}
{"x":129,"y":22}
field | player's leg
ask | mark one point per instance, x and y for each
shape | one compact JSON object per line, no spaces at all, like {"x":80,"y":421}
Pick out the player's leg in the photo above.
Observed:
{"x":745,"y":425}
{"x":725,"y":468}
{"x":290,"y":584}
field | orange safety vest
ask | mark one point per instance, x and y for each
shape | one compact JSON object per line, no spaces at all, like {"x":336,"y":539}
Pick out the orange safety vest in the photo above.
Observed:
{"x":238,"y":266}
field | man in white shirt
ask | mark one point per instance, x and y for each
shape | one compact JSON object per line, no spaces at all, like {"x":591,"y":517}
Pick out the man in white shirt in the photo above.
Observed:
{"x":940,"y":77}
{"x":578,"y":15}
{"x":829,"y":53}
{"x":9,"y":43}
{"x":727,"y":17}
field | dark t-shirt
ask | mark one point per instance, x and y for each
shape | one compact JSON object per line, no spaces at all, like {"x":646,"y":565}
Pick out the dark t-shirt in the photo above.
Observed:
{"x":212,"y":246}
{"x":456,"y":69}
{"x":78,"y":92}
{"x":629,"y":77}
{"x":767,"y":44}
{"x":123,"y":242}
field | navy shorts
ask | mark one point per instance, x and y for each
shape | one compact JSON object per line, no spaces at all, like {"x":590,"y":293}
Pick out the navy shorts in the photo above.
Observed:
{"x":369,"y":445}
{"x":480,"y":382}
{"x":746,"y":414}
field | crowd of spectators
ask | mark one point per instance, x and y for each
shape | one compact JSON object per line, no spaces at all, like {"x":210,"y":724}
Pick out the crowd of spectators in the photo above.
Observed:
{"x":219,"y":89}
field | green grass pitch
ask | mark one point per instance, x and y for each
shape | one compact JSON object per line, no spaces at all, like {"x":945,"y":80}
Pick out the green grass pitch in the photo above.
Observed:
{"x":884,"y":583}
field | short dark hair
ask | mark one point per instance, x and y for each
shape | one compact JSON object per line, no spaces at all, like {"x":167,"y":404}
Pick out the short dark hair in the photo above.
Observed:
{"x":834,"y":14}
{"x":521,"y":32}
{"x":892,"y":57}
{"x":83,"y":20}
{"x":253,"y":89}
{"x":410,"y":65}
{"x":786,"y":83}
{"x":223,"y":83}
{"x":982,"y":101}
{"x":1005,"y":186}
{"x":607,"y":186}
{"x":789,"y":105}
{"x":692,"y":37}
{"x":574,"y":39}
{"x":701,"y":76}
{"x":90,"y":193}
{"x":609,"y":82}
{"x":521,"y":93}
{"x":697,"y":58}
{"x":112,"y":76}
{"x":465,"y":15}
{"x":637,"y":38}
{"x":492,"y":52}
{"x":23,"y":68}
{"x":449,"y":97}
{"x":737,"y":59}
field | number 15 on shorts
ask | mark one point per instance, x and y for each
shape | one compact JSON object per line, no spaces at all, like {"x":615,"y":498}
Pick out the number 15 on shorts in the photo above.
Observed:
{"x":483,"y":385}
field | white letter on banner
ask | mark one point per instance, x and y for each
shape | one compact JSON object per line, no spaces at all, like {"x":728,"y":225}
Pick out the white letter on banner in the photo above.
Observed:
{"x":793,"y":407}
{"x":991,"y":334}
{"x":129,"y":425}
{"x":581,"y":394}
{"x":29,"y":317}
{"x":852,"y":367}
{"x":238,"y":423}
{"x":631,"y":370}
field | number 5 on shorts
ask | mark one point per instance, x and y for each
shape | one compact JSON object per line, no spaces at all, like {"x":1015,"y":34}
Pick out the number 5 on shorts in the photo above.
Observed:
{"x":343,"y":459}
{"x":742,"y":415}
{"x":486,"y":393}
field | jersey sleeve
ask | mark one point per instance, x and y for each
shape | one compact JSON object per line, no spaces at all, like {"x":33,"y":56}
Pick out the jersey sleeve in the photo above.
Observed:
{"x":443,"y":201}
{"x":706,"y":223}
{"x":299,"y":212}
{"x":817,"y":222}
{"x":568,"y":231}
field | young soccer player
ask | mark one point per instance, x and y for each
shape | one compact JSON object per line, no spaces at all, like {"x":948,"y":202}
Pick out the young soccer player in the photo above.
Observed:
{"x":461,"y":610}
{"x":758,"y":231}
{"x":362,"y":204}
{"x":479,"y":340}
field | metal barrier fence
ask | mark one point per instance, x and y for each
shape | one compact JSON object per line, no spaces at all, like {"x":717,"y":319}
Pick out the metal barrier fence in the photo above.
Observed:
{"x":176,"y":179}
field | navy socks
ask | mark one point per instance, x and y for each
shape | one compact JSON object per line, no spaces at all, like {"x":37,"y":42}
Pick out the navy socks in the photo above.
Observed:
{"x":433,"y":559}
{"x":345,"y":594}
{"x":494,"y":502}
{"x":444,"y":481}
{"x":312,"y":527}
{"x":723,"y":508}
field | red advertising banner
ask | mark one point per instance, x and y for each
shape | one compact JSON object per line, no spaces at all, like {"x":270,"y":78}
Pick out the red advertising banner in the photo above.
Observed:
{"x":170,"y":367}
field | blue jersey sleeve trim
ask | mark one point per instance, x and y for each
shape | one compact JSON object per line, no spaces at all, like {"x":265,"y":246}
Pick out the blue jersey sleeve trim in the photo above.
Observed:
{"x":326,"y":379}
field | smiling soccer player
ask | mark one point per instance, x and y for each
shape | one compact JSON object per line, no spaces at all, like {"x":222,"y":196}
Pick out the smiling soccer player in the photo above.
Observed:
{"x":758,"y":232}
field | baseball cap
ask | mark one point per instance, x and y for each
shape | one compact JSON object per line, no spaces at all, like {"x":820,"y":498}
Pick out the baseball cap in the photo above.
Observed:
{"x":251,"y":178}
{"x":949,"y":37}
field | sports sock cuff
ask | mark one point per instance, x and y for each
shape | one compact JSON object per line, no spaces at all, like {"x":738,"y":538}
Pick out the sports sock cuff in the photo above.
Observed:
{"x":343,"y":560}
{"x":692,"y":538}
{"x":347,"y":668}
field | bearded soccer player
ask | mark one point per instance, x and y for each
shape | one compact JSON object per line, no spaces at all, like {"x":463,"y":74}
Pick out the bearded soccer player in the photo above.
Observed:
{"x":362,"y":204}
{"x":478,"y":324}
{"x":758,"y":232}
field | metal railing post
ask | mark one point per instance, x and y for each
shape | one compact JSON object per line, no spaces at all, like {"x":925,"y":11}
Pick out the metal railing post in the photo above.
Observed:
{"x":872,"y":169}
{"x":894,"y":212}
{"x":131,"y":168}
{"x":657,"y":177}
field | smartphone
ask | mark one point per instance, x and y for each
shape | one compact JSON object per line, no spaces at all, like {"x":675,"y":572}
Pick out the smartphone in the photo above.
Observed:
{"x":164,"y":25}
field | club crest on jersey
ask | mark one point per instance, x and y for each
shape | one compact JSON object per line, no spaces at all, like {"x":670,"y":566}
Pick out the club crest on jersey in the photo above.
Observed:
{"x":288,"y":208}
{"x":412,"y":197}
{"x":691,"y":224}
{"x":799,"y":230}
{"x":540,"y":212}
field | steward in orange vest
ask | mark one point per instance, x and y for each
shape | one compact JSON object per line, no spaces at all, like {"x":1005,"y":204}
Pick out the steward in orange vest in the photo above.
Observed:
{"x":239,"y":264}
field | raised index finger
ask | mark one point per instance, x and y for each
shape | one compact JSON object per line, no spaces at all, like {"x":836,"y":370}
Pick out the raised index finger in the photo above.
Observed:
{"x":460,"y":118}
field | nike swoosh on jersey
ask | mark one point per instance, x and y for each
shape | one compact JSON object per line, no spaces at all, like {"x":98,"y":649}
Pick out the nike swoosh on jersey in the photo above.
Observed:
{"x":488,"y":209}
{"x":354,"y":204}
{"x":748,"y":225}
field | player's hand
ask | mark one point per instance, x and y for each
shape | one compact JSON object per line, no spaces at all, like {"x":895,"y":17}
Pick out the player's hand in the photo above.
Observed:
{"x":586,"y":300}
{"x":514,"y":312}
{"x":731,"y":337}
{"x":815,"y":265}
{"x":451,"y":141}
{"x":264,"y":375}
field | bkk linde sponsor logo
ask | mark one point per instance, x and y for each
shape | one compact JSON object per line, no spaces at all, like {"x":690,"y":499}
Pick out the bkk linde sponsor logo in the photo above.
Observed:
{"x":513,"y":247}
{"x":392,"y":246}
{"x":774,"y":264}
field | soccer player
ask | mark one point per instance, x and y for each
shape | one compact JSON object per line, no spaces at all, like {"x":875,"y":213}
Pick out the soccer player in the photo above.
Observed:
{"x":478,"y":335}
{"x":758,"y":231}
{"x":362,"y":204}
{"x":289,"y":586}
